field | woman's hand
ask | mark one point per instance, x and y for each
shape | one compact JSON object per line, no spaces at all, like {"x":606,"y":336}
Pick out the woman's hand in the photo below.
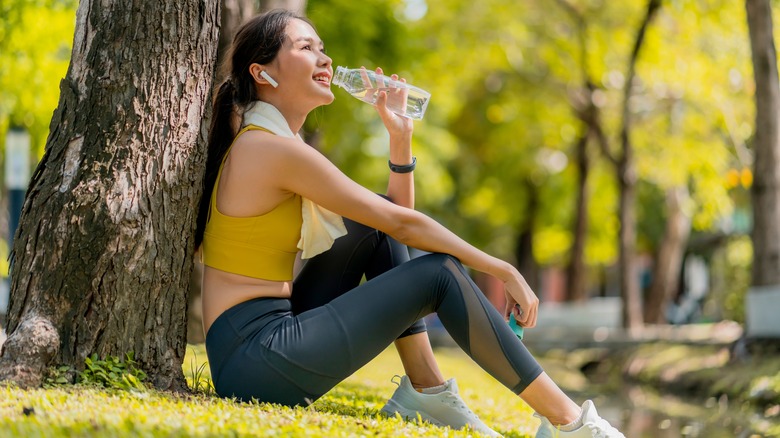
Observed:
{"x":520,"y":300}
{"x":398,"y":126}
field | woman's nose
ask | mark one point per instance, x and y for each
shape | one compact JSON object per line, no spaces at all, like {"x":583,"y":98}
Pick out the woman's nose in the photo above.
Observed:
{"x":325,"y":60}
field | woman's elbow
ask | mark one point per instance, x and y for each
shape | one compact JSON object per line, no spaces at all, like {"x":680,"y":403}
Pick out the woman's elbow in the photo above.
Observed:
{"x":406,"y":226}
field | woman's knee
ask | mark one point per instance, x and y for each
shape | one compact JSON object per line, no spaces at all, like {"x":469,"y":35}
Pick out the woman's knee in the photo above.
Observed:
{"x":435,"y":264}
{"x":442,"y":259}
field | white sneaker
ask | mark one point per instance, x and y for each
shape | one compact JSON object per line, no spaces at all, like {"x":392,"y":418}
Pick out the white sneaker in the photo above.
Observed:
{"x":443,"y":409}
{"x":593,"y":426}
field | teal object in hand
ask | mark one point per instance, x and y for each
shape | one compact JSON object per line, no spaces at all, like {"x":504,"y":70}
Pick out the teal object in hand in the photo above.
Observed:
{"x":515,"y":326}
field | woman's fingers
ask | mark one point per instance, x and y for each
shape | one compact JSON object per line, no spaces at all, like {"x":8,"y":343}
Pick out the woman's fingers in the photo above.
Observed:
{"x":528,"y":316}
{"x":510,"y":305}
{"x":528,"y":304}
{"x":365,"y":78}
{"x":383,"y":83}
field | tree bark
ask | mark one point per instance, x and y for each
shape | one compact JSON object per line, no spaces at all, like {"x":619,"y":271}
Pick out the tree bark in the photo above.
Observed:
{"x":668,"y":262}
{"x":102,"y":255}
{"x":766,"y":175}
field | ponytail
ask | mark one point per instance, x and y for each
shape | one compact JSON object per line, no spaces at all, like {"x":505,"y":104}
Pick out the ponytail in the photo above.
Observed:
{"x":221,"y":133}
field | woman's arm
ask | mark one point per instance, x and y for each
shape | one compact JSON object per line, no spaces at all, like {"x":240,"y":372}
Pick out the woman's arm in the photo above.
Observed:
{"x":292,"y":166}
{"x":400,"y":186}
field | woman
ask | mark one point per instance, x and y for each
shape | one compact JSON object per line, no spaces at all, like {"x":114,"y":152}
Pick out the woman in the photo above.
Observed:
{"x":267,"y":194}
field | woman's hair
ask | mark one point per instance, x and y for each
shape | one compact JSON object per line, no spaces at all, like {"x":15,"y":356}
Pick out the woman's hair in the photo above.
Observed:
{"x":257,"y":41}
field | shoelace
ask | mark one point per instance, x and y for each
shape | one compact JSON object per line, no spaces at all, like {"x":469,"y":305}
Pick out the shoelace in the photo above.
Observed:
{"x":455,"y":401}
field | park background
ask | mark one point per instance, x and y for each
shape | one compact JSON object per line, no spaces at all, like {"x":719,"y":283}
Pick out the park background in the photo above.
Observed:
{"x":605,"y":148}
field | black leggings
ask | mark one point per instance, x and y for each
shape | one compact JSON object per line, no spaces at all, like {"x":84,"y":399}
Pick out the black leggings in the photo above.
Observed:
{"x":292,"y":352}
{"x":363,"y":251}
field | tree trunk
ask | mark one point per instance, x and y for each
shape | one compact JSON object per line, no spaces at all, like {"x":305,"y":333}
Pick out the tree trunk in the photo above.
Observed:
{"x":626,"y":176}
{"x":234,"y":14}
{"x":575,"y":272}
{"x":524,"y":251}
{"x":668,"y":263}
{"x":629,"y":281}
{"x":588,"y":113}
{"x":766,"y":175}
{"x":297,"y":6}
{"x":102,"y":255}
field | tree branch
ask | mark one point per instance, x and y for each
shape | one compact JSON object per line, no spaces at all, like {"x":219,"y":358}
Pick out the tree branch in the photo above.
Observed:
{"x":652,"y":8}
{"x":582,"y":28}
{"x":602,"y":141}
{"x":589,"y":115}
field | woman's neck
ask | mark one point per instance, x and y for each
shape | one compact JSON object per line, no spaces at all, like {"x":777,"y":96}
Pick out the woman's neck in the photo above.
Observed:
{"x":294,"y":117}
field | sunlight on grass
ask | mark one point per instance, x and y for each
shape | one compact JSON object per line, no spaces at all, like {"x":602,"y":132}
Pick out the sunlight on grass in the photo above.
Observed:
{"x":350,"y":409}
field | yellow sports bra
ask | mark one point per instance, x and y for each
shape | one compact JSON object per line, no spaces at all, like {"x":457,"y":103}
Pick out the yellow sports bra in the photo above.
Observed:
{"x":262,"y":246}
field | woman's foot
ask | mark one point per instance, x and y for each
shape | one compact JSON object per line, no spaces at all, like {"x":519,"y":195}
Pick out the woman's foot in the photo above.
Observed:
{"x":444,"y":408}
{"x":589,"y":425}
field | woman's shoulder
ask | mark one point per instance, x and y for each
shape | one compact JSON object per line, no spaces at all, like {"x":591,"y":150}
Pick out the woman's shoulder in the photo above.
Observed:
{"x":275,"y":153}
{"x":261,"y":141}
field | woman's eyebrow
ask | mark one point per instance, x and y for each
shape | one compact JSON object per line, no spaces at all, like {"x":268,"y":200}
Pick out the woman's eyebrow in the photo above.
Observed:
{"x":309,"y":40}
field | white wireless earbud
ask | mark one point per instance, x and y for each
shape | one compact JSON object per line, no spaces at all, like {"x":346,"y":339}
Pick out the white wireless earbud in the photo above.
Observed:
{"x":268,"y":78}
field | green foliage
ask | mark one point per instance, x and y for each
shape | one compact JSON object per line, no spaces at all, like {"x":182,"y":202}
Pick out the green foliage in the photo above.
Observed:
{"x":35,"y":48}
{"x":199,"y":375}
{"x":57,"y":376}
{"x":113,"y":372}
{"x":4,"y":253}
{"x":738,"y":259}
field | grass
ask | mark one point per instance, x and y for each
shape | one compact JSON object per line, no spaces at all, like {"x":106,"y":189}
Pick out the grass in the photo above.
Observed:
{"x":350,"y":409}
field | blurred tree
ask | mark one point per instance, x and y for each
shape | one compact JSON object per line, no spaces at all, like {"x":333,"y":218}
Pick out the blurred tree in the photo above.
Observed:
{"x":765,"y":195}
{"x":297,"y":6}
{"x":692,"y":112}
{"x":99,"y":264}
{"x":669,"y":259}
{"x":588,"y":112}
{"x":625,"y":168}
{"x":233,"y":13}
{"x":766,"y":176}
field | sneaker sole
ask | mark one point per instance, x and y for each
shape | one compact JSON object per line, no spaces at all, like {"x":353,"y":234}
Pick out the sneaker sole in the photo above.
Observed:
{"x":392,"y":408}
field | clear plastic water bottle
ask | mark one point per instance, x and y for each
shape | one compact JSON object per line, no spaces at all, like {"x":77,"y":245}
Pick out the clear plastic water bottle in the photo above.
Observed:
{"x":366,"y":84}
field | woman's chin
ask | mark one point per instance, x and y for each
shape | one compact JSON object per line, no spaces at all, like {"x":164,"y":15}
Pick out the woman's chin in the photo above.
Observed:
{"x":329,"y":99}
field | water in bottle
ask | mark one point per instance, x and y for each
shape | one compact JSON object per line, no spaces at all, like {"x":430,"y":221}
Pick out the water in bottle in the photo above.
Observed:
{"x":402,"y":98}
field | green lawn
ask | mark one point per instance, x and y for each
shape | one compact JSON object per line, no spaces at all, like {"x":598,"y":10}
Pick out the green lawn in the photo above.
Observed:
{"x":350,"y":409}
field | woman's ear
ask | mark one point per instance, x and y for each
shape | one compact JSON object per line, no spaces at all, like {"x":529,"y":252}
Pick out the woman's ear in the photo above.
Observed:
{"x":261,"y":76}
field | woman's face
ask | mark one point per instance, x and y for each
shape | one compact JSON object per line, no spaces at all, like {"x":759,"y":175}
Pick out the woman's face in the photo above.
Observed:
{"x":302,"y":68}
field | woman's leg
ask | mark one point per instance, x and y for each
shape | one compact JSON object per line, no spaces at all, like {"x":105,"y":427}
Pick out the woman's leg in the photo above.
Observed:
{"x":468,"y":316}
{"x":366,"y":251}
{"x":322,"y":346}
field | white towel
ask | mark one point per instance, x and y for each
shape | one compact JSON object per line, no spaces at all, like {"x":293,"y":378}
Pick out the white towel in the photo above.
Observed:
{"x":320,"y":226}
